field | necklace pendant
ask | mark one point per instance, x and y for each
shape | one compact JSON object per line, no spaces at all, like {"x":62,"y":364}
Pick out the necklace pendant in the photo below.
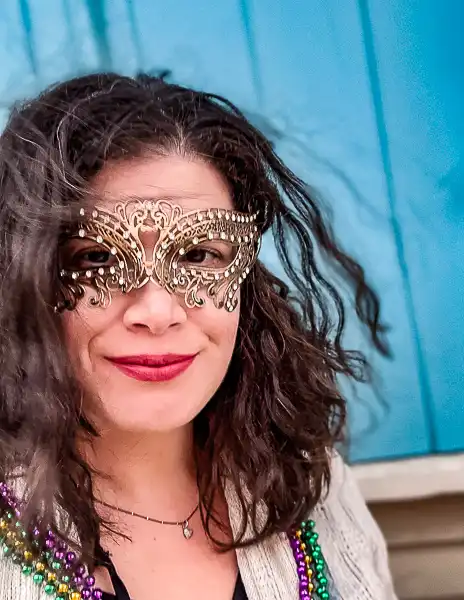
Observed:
{"x":187,"y":530}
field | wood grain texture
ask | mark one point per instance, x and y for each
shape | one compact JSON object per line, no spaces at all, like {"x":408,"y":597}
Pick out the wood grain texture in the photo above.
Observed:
{"x":426,"y":546}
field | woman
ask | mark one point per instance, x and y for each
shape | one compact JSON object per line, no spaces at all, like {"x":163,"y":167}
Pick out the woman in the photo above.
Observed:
{"x":169,"y":411}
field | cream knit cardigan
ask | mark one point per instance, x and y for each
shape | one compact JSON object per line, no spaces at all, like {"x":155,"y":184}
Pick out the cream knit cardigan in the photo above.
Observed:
{"x":352,"y":544}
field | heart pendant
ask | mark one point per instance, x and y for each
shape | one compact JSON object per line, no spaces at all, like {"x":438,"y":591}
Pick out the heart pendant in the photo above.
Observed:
{"x":186,"y":530}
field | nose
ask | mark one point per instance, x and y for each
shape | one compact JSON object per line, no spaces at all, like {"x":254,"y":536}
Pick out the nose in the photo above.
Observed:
{"x":154,"y":309}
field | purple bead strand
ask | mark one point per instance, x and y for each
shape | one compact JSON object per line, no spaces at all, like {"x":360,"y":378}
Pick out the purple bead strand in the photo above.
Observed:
{"x":303,"y":580}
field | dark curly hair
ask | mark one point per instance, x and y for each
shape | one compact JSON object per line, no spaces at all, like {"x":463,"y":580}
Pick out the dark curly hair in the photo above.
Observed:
{"x":278,"y":411}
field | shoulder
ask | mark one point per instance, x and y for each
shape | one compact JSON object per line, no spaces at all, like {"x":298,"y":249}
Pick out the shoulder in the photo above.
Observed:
{"x":351,"y":540}
{"x":14,"y":584}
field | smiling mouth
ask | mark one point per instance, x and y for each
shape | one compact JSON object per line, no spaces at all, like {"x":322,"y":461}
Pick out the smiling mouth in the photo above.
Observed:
{"x":153,"y":368}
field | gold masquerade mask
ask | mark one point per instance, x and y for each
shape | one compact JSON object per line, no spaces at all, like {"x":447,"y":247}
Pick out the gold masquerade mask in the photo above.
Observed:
{"x":203,"y":252}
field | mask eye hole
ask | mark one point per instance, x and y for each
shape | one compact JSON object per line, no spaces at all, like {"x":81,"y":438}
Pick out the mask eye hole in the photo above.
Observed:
{"x":82,"y":254}
{"x":209,"y":255}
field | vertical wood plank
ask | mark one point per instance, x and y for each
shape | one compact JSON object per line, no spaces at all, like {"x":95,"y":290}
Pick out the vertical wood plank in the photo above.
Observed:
{"x":419,"y":48}
{"x":316,"y":85}
{"x":17,"y":73}
{"x":203,"y":43}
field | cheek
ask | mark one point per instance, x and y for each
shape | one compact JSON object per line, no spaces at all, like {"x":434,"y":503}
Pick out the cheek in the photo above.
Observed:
{"x":81,"y":326}
{"x":75,"y":330}
{"x":221,"y":327}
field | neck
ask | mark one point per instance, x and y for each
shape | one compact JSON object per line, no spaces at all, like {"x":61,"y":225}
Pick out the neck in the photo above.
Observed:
{"x":150,"y":473}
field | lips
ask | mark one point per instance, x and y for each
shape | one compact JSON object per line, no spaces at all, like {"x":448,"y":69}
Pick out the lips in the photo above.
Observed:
{"x":155,"y":368}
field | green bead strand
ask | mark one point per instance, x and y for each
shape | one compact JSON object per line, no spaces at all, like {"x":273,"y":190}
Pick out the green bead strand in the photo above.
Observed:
{"x":314,"y":558}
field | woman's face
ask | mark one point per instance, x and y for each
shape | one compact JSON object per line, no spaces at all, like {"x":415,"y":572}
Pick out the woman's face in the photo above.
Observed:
{"x":119,"y":350}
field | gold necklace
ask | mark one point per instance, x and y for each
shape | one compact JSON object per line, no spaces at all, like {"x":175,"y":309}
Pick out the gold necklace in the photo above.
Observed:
{"x":187,"y":531}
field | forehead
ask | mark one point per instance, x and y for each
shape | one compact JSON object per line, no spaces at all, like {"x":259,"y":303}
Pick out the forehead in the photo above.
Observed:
{"x":191,"y":183}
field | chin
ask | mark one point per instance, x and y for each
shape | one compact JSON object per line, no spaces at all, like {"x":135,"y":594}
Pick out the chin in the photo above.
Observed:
{"x":146,"y":423}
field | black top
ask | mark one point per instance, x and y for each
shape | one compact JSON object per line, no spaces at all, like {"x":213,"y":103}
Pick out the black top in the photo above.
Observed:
{"x":121,"y":592}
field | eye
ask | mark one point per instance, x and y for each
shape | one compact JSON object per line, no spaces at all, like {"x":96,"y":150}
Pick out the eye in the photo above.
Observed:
{"x":93,"y":257}
{"x":204,"y":257}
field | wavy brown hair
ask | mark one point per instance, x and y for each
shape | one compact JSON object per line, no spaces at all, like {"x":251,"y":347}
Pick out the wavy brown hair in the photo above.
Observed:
{"x":278,"y":410}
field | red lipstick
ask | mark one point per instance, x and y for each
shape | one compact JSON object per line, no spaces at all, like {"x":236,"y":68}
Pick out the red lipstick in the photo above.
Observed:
{"x":145,"y":367}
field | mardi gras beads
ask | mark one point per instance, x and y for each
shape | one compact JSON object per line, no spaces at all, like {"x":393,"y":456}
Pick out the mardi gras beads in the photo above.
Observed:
{"x":310,"y":563}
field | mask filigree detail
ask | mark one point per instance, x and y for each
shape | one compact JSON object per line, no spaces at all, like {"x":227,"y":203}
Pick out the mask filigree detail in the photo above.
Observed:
{"x":176,"y":234}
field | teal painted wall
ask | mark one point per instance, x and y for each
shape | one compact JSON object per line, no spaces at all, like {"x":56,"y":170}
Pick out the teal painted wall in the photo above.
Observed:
{"x":364,"y":99}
